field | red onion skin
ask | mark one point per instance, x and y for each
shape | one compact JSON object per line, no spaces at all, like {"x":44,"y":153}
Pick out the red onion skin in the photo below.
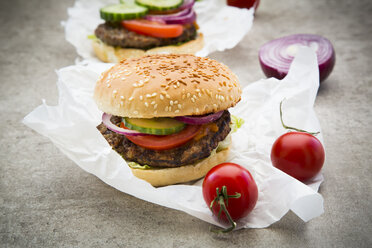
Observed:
{"x":325,"y":68}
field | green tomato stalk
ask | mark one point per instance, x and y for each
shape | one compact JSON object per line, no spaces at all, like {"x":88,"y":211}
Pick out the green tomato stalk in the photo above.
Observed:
{"x":292,"y":128}
{"x":221,"y":198}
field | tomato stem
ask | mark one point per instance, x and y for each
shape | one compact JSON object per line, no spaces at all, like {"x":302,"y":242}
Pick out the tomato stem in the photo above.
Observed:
{"x":292,"y":128}
{"x":221,"y":198}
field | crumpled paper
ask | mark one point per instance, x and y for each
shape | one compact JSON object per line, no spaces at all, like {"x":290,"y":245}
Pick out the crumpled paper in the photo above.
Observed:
{"x":223,"y":26}
{"x":71,"y":126}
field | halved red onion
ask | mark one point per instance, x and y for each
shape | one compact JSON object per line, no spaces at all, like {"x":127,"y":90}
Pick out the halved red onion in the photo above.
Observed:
{"x":277,"y":55}
{"x":106,"y":119}
{"x":185,"y":16}
{"x":197,"y":120}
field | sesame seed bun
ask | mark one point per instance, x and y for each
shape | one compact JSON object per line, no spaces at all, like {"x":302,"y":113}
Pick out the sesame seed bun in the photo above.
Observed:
{"x":187,"y":173}
{"x":111,"y":54}
{"x":166,"y":86}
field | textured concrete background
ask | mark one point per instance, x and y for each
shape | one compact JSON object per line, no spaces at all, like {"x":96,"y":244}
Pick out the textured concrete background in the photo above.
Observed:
{"x":48,"y":201}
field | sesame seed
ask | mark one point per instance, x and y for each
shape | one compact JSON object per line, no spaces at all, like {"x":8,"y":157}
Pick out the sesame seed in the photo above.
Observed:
{"x":115,"y":92}
{"x":192,"y":99}
{"x":188,"y":95}
{"x":155,"y":106}
{"x":154,"y":94}
{"x":167,"y":96}
{"x":141,"y":97}
{"x":161,"y":97}
{"x":171,"y":102}
{"x":122,"y":97}
{"x":179,"y":106}
{"x":146,"y":104}
{"x":153,"y":102}
{"x":176,"y":111}
{"x":130,"y":98}
{"x":108,"y":85}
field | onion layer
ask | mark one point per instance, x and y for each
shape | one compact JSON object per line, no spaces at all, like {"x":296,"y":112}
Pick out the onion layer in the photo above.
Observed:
{"x":187,"y":4}
{"x":277,"y":55}
{"x":185,"y":16}
{"x":197,"y":120}
{"x":106,"y":119}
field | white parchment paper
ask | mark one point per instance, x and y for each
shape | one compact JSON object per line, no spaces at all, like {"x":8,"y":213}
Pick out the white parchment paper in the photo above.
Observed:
{"x":71,"y":126}
{"x":223,"y":26}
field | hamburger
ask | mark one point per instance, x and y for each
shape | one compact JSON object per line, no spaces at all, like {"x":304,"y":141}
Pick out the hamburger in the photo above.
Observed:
{"x":167,"y":115}
{"x":135,"y":28}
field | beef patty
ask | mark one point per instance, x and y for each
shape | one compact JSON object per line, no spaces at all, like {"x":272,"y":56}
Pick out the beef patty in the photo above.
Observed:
{"x":116,"y":35}
{"x":189,"y":153}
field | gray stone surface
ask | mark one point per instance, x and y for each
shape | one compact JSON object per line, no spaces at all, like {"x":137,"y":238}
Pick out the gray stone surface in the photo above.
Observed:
{"x":48,"y":201}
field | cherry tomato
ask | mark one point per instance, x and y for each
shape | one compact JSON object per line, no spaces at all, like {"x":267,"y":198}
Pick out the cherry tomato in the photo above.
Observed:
{"x":299,"y":154}
{"x":244,"y":3}
{"x":163,"y":142}
{"x":154,"y":29}
{"x":241,"y":191}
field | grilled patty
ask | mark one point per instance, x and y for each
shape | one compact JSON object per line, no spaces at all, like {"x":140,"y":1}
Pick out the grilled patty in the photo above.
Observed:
{"x":117,"y":36}
{"x":189,"y":153}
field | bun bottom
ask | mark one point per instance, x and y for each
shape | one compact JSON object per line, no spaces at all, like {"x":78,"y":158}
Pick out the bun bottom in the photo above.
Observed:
{"x":112,"y":54}
{"x":183,"y":174}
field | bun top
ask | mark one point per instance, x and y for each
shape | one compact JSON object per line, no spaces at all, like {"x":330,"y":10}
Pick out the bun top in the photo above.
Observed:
{"x":166,"y":86}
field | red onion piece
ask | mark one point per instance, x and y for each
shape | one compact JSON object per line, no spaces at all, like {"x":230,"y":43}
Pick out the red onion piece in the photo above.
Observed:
{"x":183,"y":17}
{"x":187,"y":4}
{"x":277,"y":55}
{"x":197,"y":120}
{"x":106,"y":119}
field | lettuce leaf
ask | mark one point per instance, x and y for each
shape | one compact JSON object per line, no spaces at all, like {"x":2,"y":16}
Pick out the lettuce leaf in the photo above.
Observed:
{"x":236,"y":123}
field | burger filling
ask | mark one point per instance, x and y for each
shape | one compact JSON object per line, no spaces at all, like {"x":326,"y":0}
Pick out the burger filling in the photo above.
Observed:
{"x":199,"y":147}
{"x":114,"y":34}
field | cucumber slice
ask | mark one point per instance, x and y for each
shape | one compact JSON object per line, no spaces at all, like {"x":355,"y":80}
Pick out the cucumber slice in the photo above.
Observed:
{"x":123,"y":11}
{"x":157,"y":126}
{"x":160,"y":4}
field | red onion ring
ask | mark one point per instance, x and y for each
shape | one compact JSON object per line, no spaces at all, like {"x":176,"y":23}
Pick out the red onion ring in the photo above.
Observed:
{"x":197,"y":120}
{"x":106,"y":119}
{"x":183,"y":17}
{"x":277,"y":55}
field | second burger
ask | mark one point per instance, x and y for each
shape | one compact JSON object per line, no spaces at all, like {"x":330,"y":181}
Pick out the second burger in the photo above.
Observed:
{"x":135,"y":28}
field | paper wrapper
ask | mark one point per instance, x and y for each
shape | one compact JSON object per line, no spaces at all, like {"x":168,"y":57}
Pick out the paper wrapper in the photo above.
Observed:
{"x":71,"y":126}
{"x":214,"y":18}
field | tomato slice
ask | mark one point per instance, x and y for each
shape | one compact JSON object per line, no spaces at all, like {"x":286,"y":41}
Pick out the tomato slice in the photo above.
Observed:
{"x":163,"y":142}
{"x":154,"y":29}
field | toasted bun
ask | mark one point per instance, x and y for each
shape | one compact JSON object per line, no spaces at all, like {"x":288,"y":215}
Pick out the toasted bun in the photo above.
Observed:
{"x":187,"y":173}
{"x":166,"y":86}
{"x":112,"y":54}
